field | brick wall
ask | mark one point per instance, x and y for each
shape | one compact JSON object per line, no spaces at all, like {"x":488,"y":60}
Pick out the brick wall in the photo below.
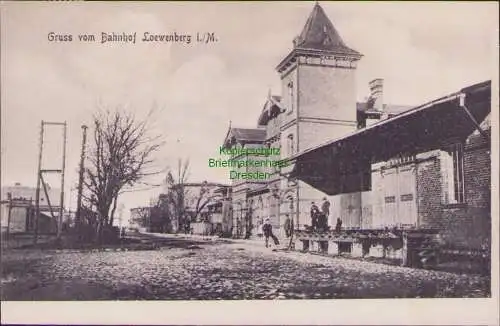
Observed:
{"x":285,"y":99}
{"x":465,"y":224}
{"x":477,"y":172}
{"x":316,"y":132}
{"x":327,"y":104}
{"x":469,"y":225}
{"x":429,"y":193}
{"x":327,"y":92}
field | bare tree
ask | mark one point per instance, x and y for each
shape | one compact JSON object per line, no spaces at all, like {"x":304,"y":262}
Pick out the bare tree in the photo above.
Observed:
{"x":161,"y":215}
{"x":204,"y":197}
{"x":177,"y":192}
{"x":120,"y":156}
{"x":141,"y":216}
{"x":184,"y":205}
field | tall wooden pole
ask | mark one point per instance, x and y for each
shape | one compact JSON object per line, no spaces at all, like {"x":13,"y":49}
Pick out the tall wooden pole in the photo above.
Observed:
{"x":9,"y":197}
{"x":80,"y":181}
{"x":61,"y":202}
{"x":37,"y":195}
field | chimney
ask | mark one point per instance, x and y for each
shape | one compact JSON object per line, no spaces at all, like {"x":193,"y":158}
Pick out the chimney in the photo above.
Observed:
{"x":377,"y":94}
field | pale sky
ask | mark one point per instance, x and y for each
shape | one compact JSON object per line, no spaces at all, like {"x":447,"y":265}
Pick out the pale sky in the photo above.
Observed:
{"x":422,"y":50}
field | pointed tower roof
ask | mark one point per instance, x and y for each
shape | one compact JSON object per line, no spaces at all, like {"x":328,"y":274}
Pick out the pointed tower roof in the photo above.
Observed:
{"x":318,"y":38}
{"x":320,"y":34}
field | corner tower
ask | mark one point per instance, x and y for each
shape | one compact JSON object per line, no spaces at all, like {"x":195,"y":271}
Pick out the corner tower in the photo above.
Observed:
{"x":318,"y":86}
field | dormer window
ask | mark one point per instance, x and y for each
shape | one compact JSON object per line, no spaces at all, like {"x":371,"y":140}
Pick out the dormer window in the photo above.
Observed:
{"x":290,"y":97}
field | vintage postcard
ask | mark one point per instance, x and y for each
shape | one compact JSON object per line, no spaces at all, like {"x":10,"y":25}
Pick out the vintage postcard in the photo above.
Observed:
{"x":249,"y":162}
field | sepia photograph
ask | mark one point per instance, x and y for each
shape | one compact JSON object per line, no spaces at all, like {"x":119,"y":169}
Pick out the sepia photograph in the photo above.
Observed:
{"x":231,"y":157}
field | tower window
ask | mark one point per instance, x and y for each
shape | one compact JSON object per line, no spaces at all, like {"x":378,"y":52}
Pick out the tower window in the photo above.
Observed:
{"x":290,"y":145}
{"x":290,"y":97}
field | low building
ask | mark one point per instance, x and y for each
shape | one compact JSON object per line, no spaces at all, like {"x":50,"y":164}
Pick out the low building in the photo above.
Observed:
{"x":203,"y":202}
{"x":22,"y":209}
{"x":184,"y":208}
{"x":425,"y":169}
{"x":140,"y":218}
{"x":220,"y":212}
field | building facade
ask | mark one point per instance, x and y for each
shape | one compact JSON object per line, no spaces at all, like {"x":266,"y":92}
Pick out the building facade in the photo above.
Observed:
{"x":318,"y":103}
{"x":432,"y":172}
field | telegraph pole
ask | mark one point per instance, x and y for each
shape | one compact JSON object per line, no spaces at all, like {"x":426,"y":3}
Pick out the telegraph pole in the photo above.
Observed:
{"x":38,"y":175}
{"x":9,"y":197}
{"x":61,"y":202}
{"x":80,"y":182}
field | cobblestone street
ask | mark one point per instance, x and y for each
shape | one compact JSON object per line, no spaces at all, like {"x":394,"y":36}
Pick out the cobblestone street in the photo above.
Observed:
{"x":207,"y":270}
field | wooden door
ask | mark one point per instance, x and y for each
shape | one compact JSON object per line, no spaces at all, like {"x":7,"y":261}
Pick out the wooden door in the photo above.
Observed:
{"x":407,"y":210}
{"x":391,"y":195}
{"x":399,"y":197}
{"x":350,"y":210}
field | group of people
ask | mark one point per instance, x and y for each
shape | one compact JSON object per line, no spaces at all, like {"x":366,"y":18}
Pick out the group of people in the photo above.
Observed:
{"x":319,"y":219}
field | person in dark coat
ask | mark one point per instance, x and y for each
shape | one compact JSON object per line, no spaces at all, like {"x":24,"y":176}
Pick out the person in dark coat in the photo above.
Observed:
{"x":325,"y":212}
{"x":325,"y":207}
{"x":314,"y":215}
{"x":338,"y":226}
{"x":288,"y":226}
{"x":268,"y":232}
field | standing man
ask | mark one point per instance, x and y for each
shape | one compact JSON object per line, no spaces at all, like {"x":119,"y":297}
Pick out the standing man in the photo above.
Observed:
{"x":268,"y":232}
{"x":288,"y":226}
{"x":338,"y":226}
{"x":314,"y":215}
{"x":325,"y":208}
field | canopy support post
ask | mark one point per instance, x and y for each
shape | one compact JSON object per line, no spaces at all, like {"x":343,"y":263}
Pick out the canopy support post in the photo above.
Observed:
{"x":471,"y":117}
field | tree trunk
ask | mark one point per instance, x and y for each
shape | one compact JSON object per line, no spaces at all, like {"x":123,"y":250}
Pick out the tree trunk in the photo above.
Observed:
{"x":113,"y":210}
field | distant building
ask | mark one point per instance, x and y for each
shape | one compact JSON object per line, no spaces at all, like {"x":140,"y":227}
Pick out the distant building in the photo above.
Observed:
{"x":199,"y":203}
{"x":22,"y":211}
{"x":197,"y":198}
{"x":140,"y":218}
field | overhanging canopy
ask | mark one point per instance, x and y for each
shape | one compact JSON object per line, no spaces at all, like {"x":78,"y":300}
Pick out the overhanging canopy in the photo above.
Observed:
{"x":344,"y":165}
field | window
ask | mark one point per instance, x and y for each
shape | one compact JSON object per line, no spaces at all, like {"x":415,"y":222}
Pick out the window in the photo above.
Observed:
{"x":290,"y":145}
{"x":454,"y":174}
{"x":290,"y":97}
{"x":291,"y":206}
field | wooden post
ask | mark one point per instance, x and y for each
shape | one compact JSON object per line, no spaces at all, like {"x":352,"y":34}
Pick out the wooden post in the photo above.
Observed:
{"x":29,"y":221}
{"x":9,"y":197}
{"x":38,"y":175}
{"x":61,"y":202}
{"x":80,"y":182}
{"x":405,"y":252}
